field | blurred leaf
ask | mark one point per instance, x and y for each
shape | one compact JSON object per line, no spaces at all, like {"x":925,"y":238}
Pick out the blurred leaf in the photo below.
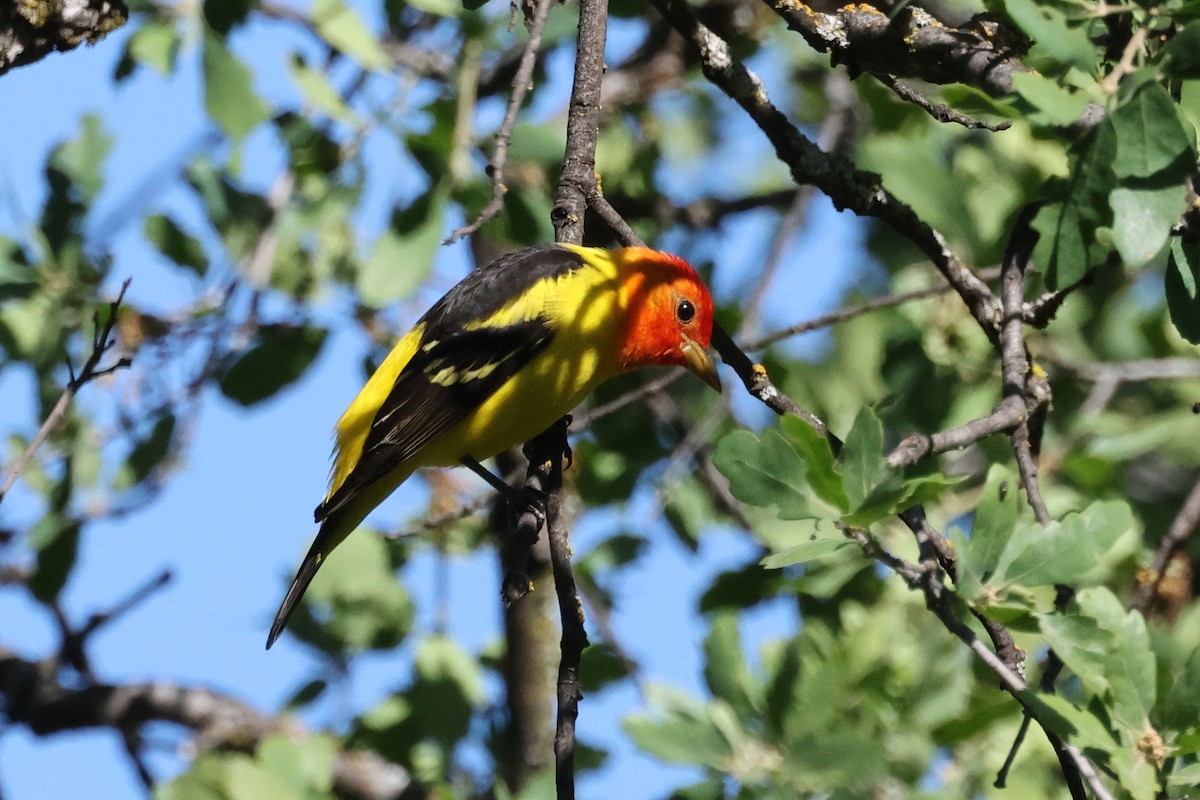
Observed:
{"x":599,"y":666}
{"x":357,"y":597}
{"x":306,"y":694}
{"x":684,"y":731}
{"x":1181,"y":56}
{"x":82,"y":158}
{"x":229,"y":95}
{"x":148,"y":453}
{"x":319,"y":92}
{"x":403,"y":255}
{"x":341,"y":26}
{"x":823,"y":475}
{"x":174,"y":243}
{"x":239,"y":217}
{"x":1183,"y":298}
{"x":155,"y":44}
{"x":725,"y":669}
{"x":1181,"y":708}
{"x":303,"y":766}
{"x":56,"y":541}
{"x":1057,"y":43}
{"x":1054,"y":104}
{"x":223,"y":15}
{"x":281,"y":354}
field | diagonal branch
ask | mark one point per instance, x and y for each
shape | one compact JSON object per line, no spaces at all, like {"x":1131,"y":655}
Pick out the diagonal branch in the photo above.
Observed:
{"x":846,"y":185}
{"x":102,"y":342}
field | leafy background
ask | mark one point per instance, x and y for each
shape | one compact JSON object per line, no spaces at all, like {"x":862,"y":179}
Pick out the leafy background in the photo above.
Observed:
{"x":278,"y":181}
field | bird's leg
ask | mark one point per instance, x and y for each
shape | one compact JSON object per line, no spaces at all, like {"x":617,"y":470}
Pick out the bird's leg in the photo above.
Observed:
{"x":519,"y":500}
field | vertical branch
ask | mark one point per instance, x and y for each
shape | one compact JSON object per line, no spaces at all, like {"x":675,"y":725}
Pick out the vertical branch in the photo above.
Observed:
{"x":577,"y":183}
{"x":583,"y":125}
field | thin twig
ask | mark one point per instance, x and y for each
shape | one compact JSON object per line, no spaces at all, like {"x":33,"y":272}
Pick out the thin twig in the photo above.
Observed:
{"x":101,"y":342}
{"x":939,"y":111}
{"x":520,"y":86}
{"x":1182,"y":527}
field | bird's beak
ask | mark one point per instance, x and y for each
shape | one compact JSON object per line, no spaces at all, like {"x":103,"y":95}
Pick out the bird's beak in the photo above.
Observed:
{"x":696,"y":359}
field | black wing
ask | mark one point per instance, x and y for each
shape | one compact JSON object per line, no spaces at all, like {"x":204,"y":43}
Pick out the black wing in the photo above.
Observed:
{"x":437,"y":389}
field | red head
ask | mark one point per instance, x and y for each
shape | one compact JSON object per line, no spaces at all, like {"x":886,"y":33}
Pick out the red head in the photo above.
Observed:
{"x":668,"y":313}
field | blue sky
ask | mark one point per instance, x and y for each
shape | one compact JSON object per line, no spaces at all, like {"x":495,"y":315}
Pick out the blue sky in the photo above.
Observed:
{"x":236,"y":517}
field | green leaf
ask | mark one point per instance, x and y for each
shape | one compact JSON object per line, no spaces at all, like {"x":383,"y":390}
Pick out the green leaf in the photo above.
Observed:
{"x":1181,"y":56}
{"x":229,"y":95}
{"x":1183,"y":297}
{"x":82,"y":158}
{"x":1054,"y":105}
{"x":993,"y":526}
{"x":56,"y":540}
{"x":156,"y":44}
{"x":685,"y":733}
{"x":1058,"y":44}
{"x":1079,"y":549}
{"x":862,"y":457}
{"x":174,"y":243}
{"x":239,"y":217}
{"x":823,"y":538}
{"x":764,"y":472}
{"x":823,"y":475}
{"x":1082,"y":645}
{"x":304,"y":765}
{"x":148,"y":453}
{"x":281,"y":354}
{"x":1067,"y":244}
{"x":725,"y":668}
{"x":356,"y":594}
{"x":403,"y":255}
{"x":319,"y":92}
{"x":1181,"y":708}
{"x":341,"y":26}
{"x":1142,"y":220}
{"x":223,"y":15}
{"x":1150,"y":138}
{"x":1130,"y":663}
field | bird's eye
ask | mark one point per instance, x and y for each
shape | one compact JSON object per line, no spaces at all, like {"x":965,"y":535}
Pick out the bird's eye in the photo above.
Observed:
{"x":685,"y":312}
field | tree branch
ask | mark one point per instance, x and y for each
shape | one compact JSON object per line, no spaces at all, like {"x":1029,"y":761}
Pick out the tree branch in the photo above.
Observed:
{"x":34,"y":697}
{"x":31,"y":31}
{"x":101,"y":343}
{"x":847,"y":186}
{"x":910,"y":44}
{"x":520,"y":86}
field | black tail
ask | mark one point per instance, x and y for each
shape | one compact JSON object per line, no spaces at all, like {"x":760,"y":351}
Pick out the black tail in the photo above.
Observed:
{"x":312,"y":562}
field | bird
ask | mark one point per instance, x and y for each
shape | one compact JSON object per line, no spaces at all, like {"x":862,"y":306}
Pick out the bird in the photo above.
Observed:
{"x":506,"y":353}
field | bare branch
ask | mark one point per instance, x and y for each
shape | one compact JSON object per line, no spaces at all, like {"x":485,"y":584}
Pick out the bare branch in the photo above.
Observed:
{"x":31,"y":31}
{"x":101,"y":342}
{"x":1182,"y":527}
{"x":912,"y":44}
{"x":939,"y":111}
{"x":520,"y":86}
{"x":847,"y":186}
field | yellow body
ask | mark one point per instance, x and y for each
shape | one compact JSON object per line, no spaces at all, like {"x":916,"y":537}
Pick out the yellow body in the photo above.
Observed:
{"x":582,"y":307}
{"x":617,"y":310}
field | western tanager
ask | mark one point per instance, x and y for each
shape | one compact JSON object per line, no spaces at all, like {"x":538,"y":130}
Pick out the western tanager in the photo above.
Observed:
{"x":506,"y":353}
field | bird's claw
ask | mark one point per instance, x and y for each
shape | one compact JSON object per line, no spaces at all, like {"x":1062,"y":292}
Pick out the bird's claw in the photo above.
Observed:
{"x":527,"y":500}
